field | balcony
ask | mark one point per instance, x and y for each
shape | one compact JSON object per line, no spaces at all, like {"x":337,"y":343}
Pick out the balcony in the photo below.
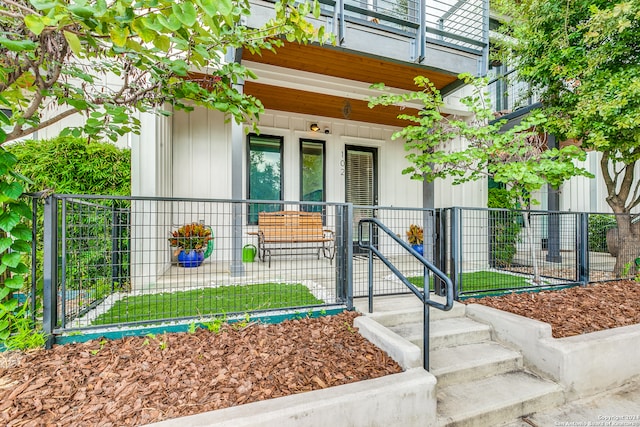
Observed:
{"x":376,"y":41}
{"x":509,"y":94}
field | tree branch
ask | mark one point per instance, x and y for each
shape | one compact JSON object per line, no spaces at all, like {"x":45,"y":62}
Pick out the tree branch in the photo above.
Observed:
{"x":20,"y":6}
{"x":19,"y":133}
{"x":608,"y":181}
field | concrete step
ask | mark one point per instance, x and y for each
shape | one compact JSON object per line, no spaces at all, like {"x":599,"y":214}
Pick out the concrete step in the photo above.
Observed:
{"x":470,"y":362}
{"x":397,"y":309}
{"x":495,"y":400}
{"x":445,"y":332}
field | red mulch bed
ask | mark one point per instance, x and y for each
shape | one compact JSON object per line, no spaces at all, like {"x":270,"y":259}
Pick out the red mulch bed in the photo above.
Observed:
{"x":578,"y":310}
{"x":140,"y":380}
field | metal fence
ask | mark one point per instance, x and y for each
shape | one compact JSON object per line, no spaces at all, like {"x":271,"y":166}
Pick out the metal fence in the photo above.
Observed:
{"x":109,"y":260}
{"x":488,"y":251}
{"x":398,"y":220}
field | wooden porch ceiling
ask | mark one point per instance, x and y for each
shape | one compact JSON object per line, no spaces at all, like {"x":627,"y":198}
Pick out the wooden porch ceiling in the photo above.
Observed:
{"x":341,"y":64}
{"x":316,"y":104}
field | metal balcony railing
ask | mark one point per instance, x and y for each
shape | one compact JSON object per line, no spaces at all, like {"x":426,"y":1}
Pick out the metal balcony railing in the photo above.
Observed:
{"x":508,"y":93}
{"x":459,"y":24}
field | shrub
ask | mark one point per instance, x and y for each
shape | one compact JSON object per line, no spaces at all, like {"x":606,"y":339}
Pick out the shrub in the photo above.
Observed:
{"x":598,"y":227}
{"x":74,"y":166}
{"x":505,"y":226}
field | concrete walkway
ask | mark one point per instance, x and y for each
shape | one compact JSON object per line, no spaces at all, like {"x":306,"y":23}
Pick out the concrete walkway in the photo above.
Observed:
{"x":620,"y":407}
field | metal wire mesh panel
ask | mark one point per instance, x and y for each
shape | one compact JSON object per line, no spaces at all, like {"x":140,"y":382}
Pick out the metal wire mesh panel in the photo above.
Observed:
{"x":612,"y":254}
{"x":502,"y":250}
{"x":93,"y":254}
{"x":399,"y":221}
{"x":147,"y":260}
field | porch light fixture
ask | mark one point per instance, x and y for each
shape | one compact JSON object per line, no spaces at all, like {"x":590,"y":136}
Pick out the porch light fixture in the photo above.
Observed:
{"x":314,"y":127}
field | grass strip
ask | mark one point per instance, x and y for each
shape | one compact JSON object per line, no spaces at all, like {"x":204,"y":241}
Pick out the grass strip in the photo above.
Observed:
{"x":208,"y":301}
{"x":482,"y":281}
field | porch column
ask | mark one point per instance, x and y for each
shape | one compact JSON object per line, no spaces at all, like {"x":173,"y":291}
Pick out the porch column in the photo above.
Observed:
{"x":236,"y":267}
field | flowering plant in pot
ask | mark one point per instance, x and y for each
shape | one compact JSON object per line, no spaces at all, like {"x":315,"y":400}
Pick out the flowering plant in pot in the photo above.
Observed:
{"x":191,"y":241}
{"x":415,"y":236}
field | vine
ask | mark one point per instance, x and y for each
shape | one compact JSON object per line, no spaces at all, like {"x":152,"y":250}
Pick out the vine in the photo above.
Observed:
{"x":17,"y":329}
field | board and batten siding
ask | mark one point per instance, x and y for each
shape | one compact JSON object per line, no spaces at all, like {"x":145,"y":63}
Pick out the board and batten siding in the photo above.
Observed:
{"x":202,"y":159}
{"x":201,"y":154}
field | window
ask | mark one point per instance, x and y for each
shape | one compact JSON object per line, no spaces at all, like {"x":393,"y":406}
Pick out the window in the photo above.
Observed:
{"x":265,"y":174}
{"x":312,"y":172}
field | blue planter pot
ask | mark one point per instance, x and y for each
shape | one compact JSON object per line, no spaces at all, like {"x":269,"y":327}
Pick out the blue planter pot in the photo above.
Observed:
{"x":190,"y":259}
{"x":419,"y":249}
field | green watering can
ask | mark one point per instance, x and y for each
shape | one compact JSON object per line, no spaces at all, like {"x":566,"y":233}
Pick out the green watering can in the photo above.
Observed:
{"x":249,"y":253}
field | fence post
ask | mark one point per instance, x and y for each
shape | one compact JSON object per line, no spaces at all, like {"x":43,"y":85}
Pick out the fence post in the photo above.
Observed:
{"x":50,"y":269}
{"x":116,"y":263}
{"x":456,"y":244}
{"x":34,"y":254}
{"x":440,"y":251}
{"x":344,"y":254}
{"x":583,"y":248}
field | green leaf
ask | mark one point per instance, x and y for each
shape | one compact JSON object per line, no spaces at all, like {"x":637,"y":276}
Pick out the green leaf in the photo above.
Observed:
{"x":8,"y":220}
{"x":4,"y":324}
{"x":9,"y":306}
{"x":74,"y":42}
{"x":81,"y":11}
{"x":172,"y":23}
{"x":119,"y":35}
{"x":5,"y":243}
{"x":21,"y":208}
{"x":163,"y":43}
{"x":43,"y":5}
{"x":34,"y":23}
{"x":225,"y":7}
{"x":4,"y":119}
{"x":151,"y":22}
{"x":21,"y":268}
{"x":13,"y":190}
{"x":4,"y":292}
{"x":185,"y":12}
{"x":21,"y":246}
{"x":139,"y":26}
{"x":17,"y":45}
{"x":15,"y":282}
{"x":11,"y":259}
{"x":209,"y":6}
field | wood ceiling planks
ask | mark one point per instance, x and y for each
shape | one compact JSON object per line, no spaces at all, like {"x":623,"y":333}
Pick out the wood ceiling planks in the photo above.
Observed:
{"x":314,"y":104}
{"x":338,"y":63}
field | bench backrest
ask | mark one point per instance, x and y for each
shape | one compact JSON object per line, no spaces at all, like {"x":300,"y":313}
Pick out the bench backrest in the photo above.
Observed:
{"x":291,"y":226}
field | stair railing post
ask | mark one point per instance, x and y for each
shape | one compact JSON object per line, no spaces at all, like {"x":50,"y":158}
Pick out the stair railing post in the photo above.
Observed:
{"x":425,"y":319}
{"x":370,"y":266}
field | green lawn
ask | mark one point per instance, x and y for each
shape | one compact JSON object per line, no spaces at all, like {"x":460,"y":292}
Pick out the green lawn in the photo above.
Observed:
{"x":483,"y":281}
{"x":208,"y":301}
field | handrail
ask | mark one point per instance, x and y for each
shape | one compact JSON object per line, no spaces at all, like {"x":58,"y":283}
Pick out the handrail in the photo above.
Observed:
{"x":422,"y":295}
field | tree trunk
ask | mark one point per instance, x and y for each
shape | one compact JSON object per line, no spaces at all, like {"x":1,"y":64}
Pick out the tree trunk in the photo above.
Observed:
{"x":628,"y":247}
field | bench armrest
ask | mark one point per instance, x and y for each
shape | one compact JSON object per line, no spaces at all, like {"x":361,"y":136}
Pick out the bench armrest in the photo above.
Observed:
{"x":329,"y":233}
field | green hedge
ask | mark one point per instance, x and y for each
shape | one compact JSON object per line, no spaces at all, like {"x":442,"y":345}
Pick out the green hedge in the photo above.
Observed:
{"x":598,"y":227}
